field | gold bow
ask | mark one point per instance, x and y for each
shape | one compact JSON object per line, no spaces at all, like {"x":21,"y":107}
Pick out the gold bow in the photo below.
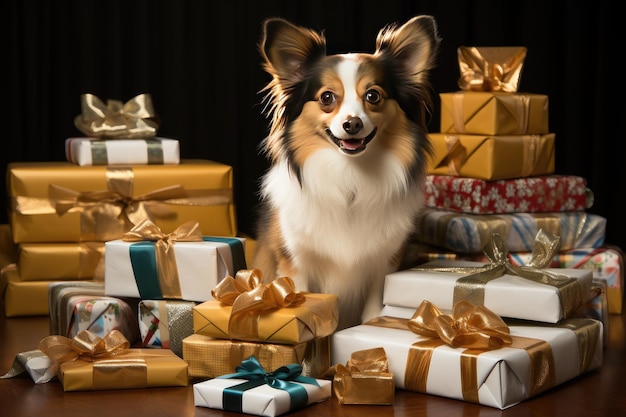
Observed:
{"x":115,"y":120}
{"x":468,"y":326}
{"x":472,"y":287}
{"x":247,"y":292}
{"x":85,"y":346}
{"x":490,"y":68}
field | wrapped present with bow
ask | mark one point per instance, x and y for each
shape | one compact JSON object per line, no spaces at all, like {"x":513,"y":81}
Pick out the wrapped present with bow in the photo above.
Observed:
{"x":253,"y":390}
{"x":473,"y":355}
{"x":364,"y":379}
{"x":89,"y":362}
{"x":149,"y":264}
{"x":62,"y":202}
{"x":491,"y":157}
{"x":468,"y":233}
{"x":209,"y":357}
{"x":531,"y":292}
{"x":245,"y":308}
{"x":60,"y":261}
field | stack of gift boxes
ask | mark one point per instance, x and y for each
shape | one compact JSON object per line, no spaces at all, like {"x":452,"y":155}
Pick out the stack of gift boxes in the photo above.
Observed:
{"x":466,"y":319}
{"x":169,"y":226}
{"x":492,"y":171}
{"x":255,"y":328}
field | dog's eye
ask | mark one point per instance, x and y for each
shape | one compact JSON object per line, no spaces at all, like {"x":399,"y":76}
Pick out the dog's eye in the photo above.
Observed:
{"x":327,"y":98}
{"x":373,"y":96}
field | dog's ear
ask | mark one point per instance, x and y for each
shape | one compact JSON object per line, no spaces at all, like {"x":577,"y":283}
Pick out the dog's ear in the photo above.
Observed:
{"x":287,"y":49}
{"x":412,"y":46}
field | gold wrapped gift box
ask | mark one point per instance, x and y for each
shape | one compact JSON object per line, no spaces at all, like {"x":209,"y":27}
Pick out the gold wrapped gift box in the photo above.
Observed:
{"x":64,"y":202}
{"x":494,"y":113}
{"x":490,"y":157}
{"x":316,"y":317}
{"x":23,"y":298}
{"x":209,"y":357}
{"x":59,"y":261}
{"x":138,"y":368}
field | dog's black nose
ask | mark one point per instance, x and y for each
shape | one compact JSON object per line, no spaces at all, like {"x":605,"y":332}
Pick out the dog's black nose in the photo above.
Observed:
{"x":353,"y":125}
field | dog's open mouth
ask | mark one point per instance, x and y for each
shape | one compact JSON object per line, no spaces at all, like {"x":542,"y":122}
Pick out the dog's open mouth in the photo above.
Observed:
{"x":351,"y":146}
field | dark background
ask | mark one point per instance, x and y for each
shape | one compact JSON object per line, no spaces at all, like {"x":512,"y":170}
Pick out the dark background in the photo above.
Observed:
{"x":199,"y":61}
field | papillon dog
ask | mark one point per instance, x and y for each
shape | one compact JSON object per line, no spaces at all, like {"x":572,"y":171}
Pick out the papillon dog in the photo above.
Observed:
{"x":347,"y":146}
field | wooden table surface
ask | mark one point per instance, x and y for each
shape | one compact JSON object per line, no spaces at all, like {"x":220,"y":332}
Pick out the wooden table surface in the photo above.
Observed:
{"x":599,"y":393}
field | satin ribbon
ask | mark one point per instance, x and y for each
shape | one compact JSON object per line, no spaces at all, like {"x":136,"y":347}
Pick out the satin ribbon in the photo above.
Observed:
{"x":116,"y":120}
{"x":490,"y":68}
{"x":248,"y":295}
{"x":166,"y":268}
{"x":85,"y":346}
{"x":283,"y":378}
{"x":545,"y":247}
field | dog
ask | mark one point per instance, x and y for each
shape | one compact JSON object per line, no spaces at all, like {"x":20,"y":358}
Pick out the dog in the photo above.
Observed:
{"x":347,"y":146}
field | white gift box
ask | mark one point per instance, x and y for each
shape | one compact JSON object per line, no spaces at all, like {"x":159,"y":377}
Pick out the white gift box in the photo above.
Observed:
{"x":503,"y":376}
{"x":507,"y":296}
{"x":200,"y":265}
{"x":88,"y":151}
{"x":261,"y":401}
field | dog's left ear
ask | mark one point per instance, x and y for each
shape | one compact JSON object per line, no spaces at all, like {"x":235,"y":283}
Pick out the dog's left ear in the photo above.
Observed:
{"x":413,"y":46}
{"x":287,"y":49}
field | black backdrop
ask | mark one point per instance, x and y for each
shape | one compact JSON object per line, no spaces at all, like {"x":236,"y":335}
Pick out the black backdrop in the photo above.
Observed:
{"x":199,"y":61}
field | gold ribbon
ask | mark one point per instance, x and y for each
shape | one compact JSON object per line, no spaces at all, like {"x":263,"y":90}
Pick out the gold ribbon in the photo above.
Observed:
{"x":249,"y":296}
{"x":545,"y":247}
{"x":475,"y":328}
{"x":167,"y":269}
{"x":116,"y":120}
{"x":106,"y":214}
{"x":490,"y":68}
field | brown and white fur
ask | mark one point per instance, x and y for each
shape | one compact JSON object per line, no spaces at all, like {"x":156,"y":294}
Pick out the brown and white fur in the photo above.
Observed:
{"x":347,"y":146}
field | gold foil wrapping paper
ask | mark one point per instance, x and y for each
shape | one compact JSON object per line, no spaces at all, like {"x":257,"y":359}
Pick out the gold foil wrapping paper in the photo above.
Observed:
{"x":59,"y":261}
{"x":316,"y":317}
{"x":491,"y":68}
{"x":23,"y":298}
{"x":63,"y":202}
{"x":494,"y":113}
{"x":209,"y":357}
{"x":491,"y":157}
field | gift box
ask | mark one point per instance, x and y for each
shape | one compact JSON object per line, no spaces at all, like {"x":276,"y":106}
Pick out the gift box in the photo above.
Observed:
{"x":491,"y":157}
{"x":364,"y":379}
{"x":209,"y":357}
{"x":89,"y":362}
{"x":99,"y":315}
{"x":545,"y":298}
{"x":35,"y":363}
{"x":183,"y":265}
{"x":23,"y":298}
{"x":529,"y":358}
{"x":494,"y":113}
{"x":59,"y":261}
{"x":8,"y":249}
{"x":59,"y":294}
{"x":606,"y":263}
{"x":289,"y":391}
{"x":468,"y":233}
{"x":541,"y":194}
{"x":87,"y":151}
{"x":64,"y":202}
{"x":255,"y":315}
{"x":165,"y":324}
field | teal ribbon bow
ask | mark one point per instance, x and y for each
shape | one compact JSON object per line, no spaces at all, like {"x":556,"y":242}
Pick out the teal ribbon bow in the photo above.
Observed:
{"x":281,"y":378}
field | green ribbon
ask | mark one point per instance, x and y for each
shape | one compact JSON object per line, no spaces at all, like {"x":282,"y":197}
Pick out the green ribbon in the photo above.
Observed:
{"x":251,"y":369}
{"x":99,"y":155}
{"x":143,"y":261}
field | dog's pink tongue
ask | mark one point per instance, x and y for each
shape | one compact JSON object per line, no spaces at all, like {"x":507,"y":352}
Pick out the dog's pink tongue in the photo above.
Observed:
{"x":351,"y":144}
